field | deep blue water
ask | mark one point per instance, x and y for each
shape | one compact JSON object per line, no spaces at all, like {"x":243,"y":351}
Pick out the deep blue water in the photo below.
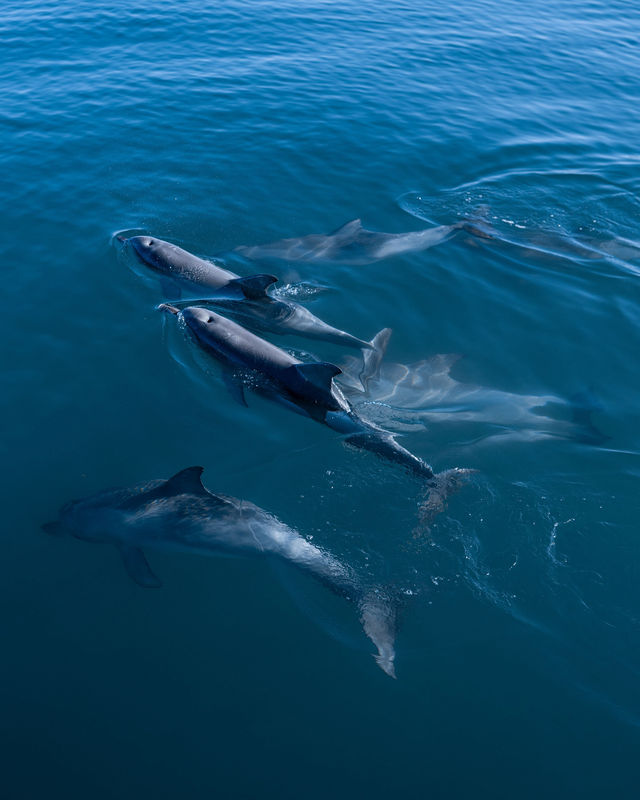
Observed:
{"x":240,"y":123}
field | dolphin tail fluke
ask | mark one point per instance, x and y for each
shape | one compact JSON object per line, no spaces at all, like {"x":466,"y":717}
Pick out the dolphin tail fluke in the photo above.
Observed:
{"x":378,"y":618}
{"x":478,"y":224}
{"x":386,"y":664}
{"x":380,"y":341}
{"x":440,"y":488}
{"x":372,"y":356}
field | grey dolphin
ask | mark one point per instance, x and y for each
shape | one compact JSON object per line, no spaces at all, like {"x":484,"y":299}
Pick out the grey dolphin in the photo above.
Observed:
{"x":425,"y":392}
{"x":351,"y":244}
{"x":245,"y":299}
{"x":180,"y":514}
{"x":549,"y":243}
{"x":178,"y":267}
{"x":306,"y":388}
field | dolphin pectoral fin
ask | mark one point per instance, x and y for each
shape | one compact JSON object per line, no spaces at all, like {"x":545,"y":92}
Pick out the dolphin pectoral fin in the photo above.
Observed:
{"x":138,"y":568}
{"x":255,"y":286}
{"x":235,"y":387}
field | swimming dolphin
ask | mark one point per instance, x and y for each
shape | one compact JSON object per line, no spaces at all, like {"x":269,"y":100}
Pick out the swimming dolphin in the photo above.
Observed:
{"x":178,"y":268}
{"x":425,"y":392}
{"x":180,"y":514}
{"x":547,"y":243}
{"x":245,"y":299}
{"x":259,"y":311}
{"x":351,"y":244}
{"x":306,"y":388}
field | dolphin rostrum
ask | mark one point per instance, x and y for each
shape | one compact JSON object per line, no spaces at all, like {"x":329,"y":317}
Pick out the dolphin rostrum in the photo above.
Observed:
{"x":180,"y":514}
{"x":351,"y":244}
{"x":304,"y":387}
{"x":245,"y":299}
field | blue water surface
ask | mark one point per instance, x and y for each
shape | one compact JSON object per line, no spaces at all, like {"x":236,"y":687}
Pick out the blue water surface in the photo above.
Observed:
{"x":236,"y":123}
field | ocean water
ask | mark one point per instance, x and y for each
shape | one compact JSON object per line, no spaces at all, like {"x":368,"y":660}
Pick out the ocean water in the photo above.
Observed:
{"x":239,"y":123}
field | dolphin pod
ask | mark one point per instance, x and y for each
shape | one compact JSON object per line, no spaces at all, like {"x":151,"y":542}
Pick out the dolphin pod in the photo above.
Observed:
{"x":181,"y":515}
{"x":246,"y":299}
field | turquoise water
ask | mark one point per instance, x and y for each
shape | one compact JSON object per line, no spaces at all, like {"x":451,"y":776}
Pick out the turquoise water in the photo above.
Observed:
{"x":243,"y":123}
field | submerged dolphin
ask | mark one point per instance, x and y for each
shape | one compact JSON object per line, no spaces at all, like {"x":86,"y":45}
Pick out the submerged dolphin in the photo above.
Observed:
{"x":180,"y":514}
{"x":352,"y":244}
{"x":245,"y":299}
{"x":306,"y":388}
{"x":549,"y":243}
{"x":425,"y":392}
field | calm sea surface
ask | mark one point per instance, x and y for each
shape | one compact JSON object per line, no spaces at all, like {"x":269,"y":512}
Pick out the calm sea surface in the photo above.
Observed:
{"x":237,"y":123}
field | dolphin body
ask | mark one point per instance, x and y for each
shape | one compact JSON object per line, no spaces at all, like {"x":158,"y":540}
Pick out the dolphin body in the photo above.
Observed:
{"x":305,"y":388}
{"x":425,"y":392}
{"x":180,"y":514}
{"x":244,"y":299}
{"x":351,"y":244}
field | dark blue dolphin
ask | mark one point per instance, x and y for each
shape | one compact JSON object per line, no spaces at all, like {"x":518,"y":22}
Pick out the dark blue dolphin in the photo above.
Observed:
{"x":181,"y":515}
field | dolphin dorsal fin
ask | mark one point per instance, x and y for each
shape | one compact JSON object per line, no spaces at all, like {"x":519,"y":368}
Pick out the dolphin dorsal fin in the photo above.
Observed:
{"x":351,"y":228}
{"x":255,"y":286}
{"x":318,"y":373}
{"x":187,"y":481}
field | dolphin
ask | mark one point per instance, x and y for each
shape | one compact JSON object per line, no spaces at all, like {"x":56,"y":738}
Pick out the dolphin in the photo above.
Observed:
{"x":425,"y":392}
{"x":178,"y":268}
{"x":544,"y":243}
{"x":352,"y":244}
{"x":180,"y":514}
{"x":306,"y":388}
{"x":245,"y":299}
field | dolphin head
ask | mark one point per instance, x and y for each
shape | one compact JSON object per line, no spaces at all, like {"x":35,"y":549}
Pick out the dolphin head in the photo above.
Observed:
{"x":202,"y":320}
{"x":150,"y":251}
{"x":195,"y":316}
{"x":87,"y":519}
